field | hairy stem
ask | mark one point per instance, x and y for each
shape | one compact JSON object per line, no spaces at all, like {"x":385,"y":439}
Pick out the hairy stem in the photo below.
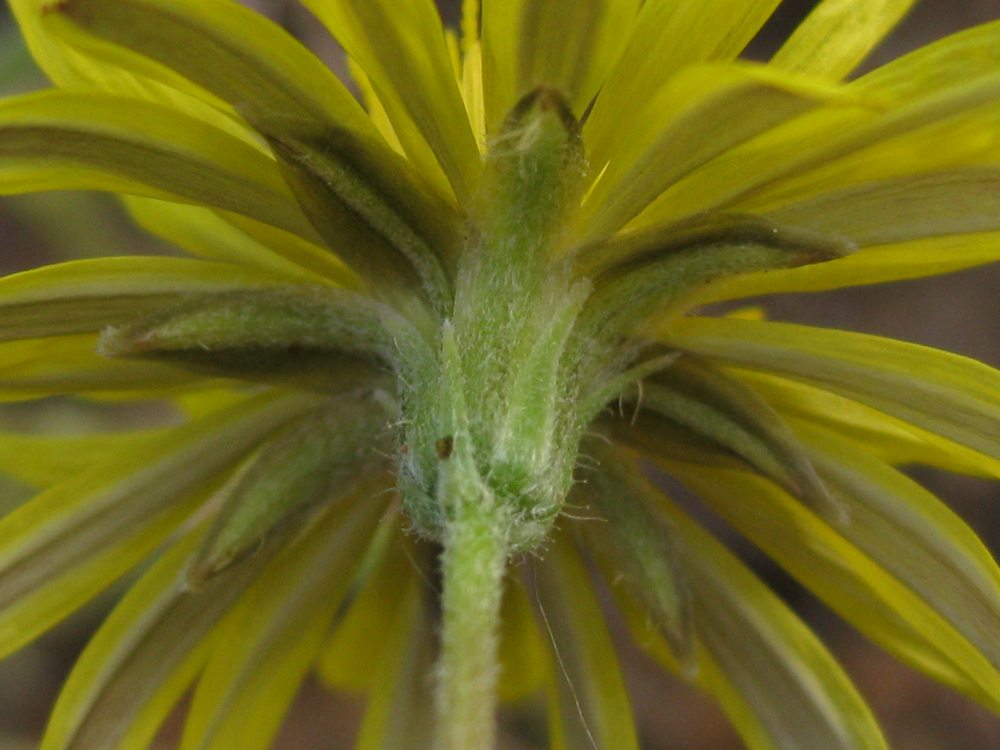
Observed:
{"x":472,"y":565}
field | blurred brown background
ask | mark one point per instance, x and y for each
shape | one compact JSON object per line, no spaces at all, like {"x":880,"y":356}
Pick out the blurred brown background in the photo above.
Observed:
{"x":960,"y":312}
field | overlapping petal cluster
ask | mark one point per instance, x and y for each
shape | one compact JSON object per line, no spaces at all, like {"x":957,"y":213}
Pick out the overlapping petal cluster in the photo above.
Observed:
{"x":483,"y":278}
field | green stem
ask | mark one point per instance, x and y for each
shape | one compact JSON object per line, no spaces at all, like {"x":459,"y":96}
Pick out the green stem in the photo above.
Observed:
{"x":472,"y":565}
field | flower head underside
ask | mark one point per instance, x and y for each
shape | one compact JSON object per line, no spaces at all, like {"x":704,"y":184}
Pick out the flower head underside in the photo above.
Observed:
{"x":427,"y":345}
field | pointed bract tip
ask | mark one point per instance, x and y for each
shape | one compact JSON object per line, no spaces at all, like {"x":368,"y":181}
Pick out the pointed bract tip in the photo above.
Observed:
{"x":542,"y":101}
{"x":124,"y":341}
{"x":59,"y":6}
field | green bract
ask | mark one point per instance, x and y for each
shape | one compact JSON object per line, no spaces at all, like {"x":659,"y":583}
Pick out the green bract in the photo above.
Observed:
{"x":428,"y":344}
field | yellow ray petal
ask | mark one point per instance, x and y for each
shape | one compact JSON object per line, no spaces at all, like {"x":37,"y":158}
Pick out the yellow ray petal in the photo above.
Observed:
{"x":958,"y":58}
{"x":415,"y":82}
{"x":87,"y":295}
{"x":889,"y":438}
{"x":270,"y":639}
{"x":850,"y":581}
{"x":61,"y":548}
{"x":283,"y":91}
{"x":871,"y":265}
{"x":778,"y":684}
{"x":50,"y":589}
{"x":230,"y":238}
{"x":567,"y":45}
{"x":710,"y":676}
{"x":668,"y":35}
{"x":70,"y":365}
{"x":146,"y":654}
{"x":44,"y":460}
{"x":932,"y":204}
{"x":837,"y":145}
{"x":965,"y":140}
{"x":69,"y":68}
{"x":243,"y":58}
{"x":147,"y":600}
{"x":60,"y":140}
{"x":470,"y":24}
{"x":794,"y":686}
{"x":954,"y":396}
{"x":523,"y":653}
{"x":472,"y":92}
{"x":278,"y":86}
{"x":400,"y":709}
{"x":376,"y":110}
{"x":589,"y":706}
{"x":838,"y":34}
{"x":345,"y":660}
{"x":701,"y":113}
{"x":915,"y":537}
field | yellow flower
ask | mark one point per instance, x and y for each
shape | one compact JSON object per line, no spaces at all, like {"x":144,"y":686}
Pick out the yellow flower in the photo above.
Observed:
{"x":424,"y":348}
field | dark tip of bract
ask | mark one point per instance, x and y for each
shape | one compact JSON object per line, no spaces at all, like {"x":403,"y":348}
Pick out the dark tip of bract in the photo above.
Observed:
{"x":542,"y":101}
{"x":58,"y":6}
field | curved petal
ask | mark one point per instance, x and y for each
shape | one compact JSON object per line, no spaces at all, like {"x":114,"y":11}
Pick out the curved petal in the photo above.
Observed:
{"x":915,"y":537}
{"x":780,"y":687}
{"x":41,"y":592}
{"x":375,"y":108}
{"x":473,"y":93}
{"x":416,"y":82}
{"x":914,"y":208}
{"x":42,"y":461}
{"x":956,"y":59}
{"x":668,"y":35}
{"x":523,"y":653}
{"x":118,"y":642}
{"x":400,"y":709}
{"x":277,"y":85}
{"x":268,"y":642}
{"x":588,"y":706}
{"x":87,"y":295}
{"x":968,"y":140}
{"x":567,"y":45}
{"x":70,"y":69}
{"x":146,"y":654}
{"x":886,"y":437}
{"x":344,"y":662}
{"x":234,"y":239}
{"x":795,"y":688}
{"x":850,"y":581}
{"x":838,"y":146}
{"x":838,"y":34}
{"x":953,"y":396}
{"x":237,"y":54}
{"x":871,"y":265}
{"x":57,"y":140}
{"x":700,"y":113}
{"x":72,"y":540}
{"x":62,"y":365}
